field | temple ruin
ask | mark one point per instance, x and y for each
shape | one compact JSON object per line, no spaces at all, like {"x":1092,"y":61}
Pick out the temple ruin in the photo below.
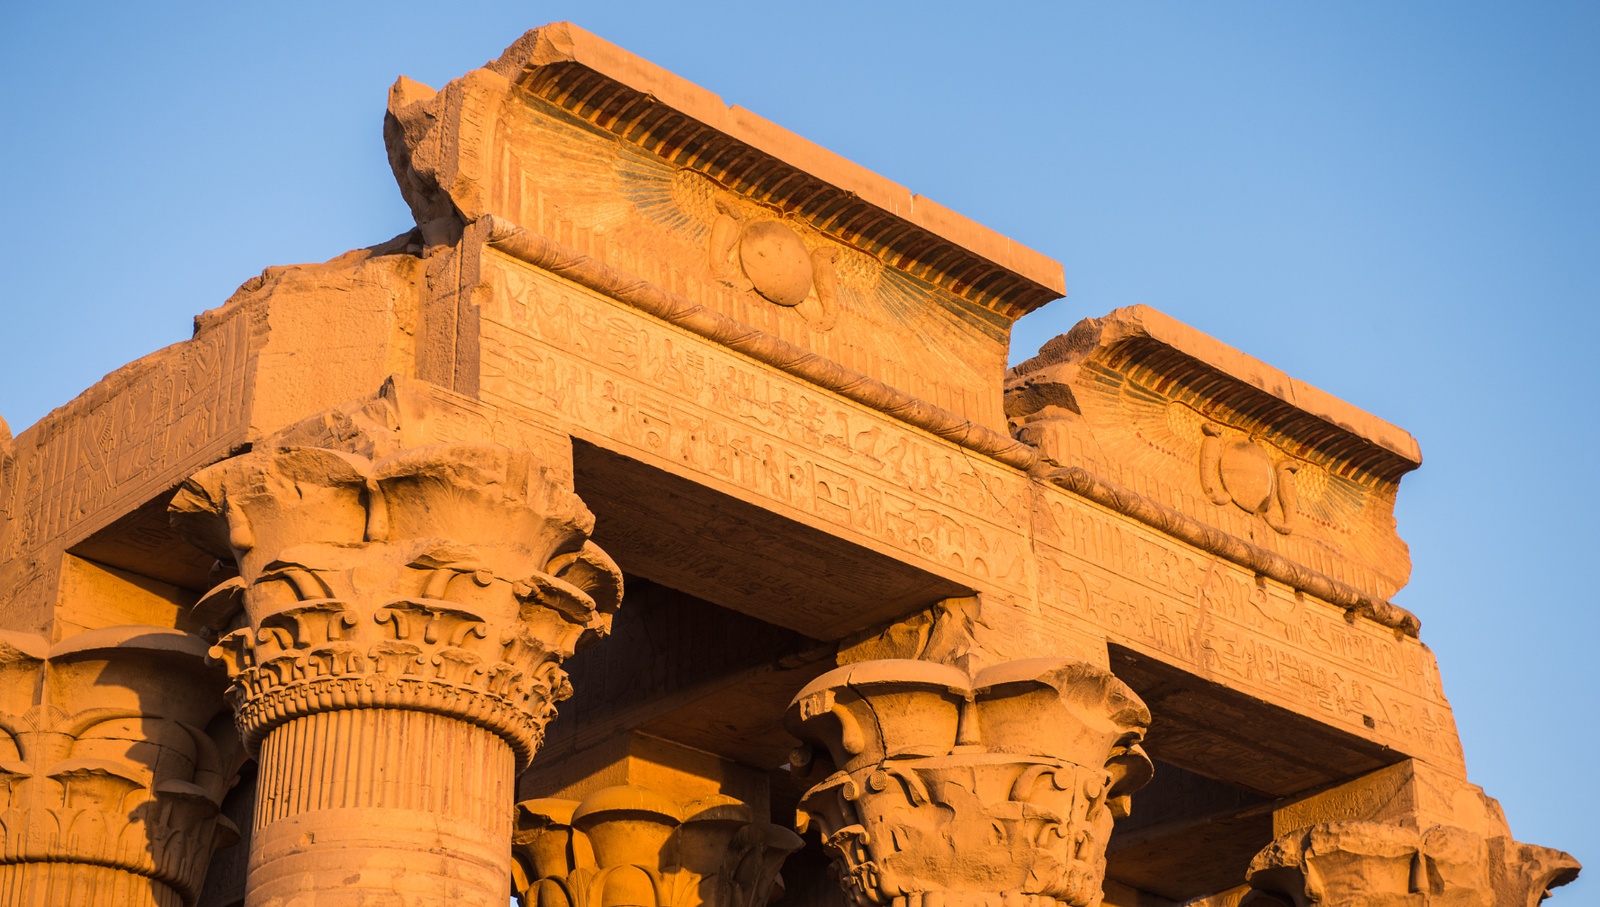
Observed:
{"x":658,"y":524}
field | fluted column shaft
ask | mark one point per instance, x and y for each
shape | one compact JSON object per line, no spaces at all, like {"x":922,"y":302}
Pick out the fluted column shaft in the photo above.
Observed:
{"x":345,"y":789}
{"x":82,"y":885}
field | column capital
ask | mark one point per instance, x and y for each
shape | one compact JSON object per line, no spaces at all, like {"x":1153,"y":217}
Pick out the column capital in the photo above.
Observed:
{"x":940,"y":788}
{"x":631,"y":846}
{"x":449,"y":578}
{"x":400,"y":618}
{"x":1373,"y":864}
{"x":113,"y":767}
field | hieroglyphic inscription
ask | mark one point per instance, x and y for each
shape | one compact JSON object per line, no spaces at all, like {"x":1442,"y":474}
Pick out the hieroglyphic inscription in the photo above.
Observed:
{"x":142,"y":428}
{"x":607,"y":372}
{"x":1251,"y":634}
{"x":565,"y":352}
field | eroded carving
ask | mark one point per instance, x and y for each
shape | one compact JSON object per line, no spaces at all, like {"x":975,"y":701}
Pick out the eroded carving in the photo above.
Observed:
{"x":1373,"y":864}
{"x":418,"y":603}
{"x":558,"y":259}
{"x":992,"y":788}
{"x":1239,"y":471}
{"x":451,"y":579}
{"x":754,"y":252}
{"x":112,"y":769}
{"x":1246,"y":554}
{"x":1138,"y":400}
{"x":630,"y":846}
{"x":946,"y":634}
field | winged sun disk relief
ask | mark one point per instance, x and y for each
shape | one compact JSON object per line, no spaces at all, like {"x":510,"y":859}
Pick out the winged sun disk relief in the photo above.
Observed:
{"x":1241,"y":472}
{"x":764,"y":255}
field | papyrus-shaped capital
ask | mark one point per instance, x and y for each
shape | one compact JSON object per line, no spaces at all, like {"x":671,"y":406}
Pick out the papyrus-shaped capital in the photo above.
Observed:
{"x":631,"y":846}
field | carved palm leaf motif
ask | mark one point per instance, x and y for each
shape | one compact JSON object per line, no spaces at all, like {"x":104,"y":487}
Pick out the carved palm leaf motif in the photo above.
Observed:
{"x":120,"y":760}
{"x":977,"y":789}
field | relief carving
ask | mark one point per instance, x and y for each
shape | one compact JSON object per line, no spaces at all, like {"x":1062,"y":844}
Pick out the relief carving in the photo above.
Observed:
{"x":450,"y":578}
{"x":755,"y":252}
{"x":939,"y":787}
{"x":112,"y":768}
{"x":946,"y":634}
{"x":1372,"y":864}
{"x":630,"y":846}
{"x":1237,"y":470}
{"x":428,"y":596}
{"x":1138,"y":400}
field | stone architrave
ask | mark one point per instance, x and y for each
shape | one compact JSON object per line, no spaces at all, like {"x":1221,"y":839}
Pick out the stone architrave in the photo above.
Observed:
{"x":631,"y":846}
{"x":1373,"y":864}
{"x":115,"y":753}
{"x":957,"y":790}
{"x":401,"y":626}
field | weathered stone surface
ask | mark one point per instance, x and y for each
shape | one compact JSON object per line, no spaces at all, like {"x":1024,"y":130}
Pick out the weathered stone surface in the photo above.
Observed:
{"x":645,"y":821}
{"x":778,"y":381}
{"x":1412,"y":793}
{"x":1369,"y":864}
{"x":290,"y":342}
{"x":1150,"y":404}
{"x":112,"y":768}
{"x":740,"y":216}
{"x":424,"y":599}
{"x":1067,"y":573}
{"x":631,"y":846}
{"x":986,"y":789}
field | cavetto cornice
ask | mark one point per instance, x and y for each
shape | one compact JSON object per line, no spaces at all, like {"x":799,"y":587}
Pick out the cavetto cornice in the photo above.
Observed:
{"x":692,"y":128}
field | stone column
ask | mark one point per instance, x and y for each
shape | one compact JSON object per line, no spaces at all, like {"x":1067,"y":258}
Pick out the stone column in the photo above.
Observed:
{"x":401,"y":629}
{"x":637,"y":821}
{"x":630,"y":846}
{"x":112,"y":770}
{"x":944,"y":789}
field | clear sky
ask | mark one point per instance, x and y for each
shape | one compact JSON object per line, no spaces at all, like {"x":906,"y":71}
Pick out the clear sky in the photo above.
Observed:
{"x":1396,"y":202}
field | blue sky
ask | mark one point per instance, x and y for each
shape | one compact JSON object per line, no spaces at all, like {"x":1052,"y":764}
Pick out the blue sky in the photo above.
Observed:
{"x":1396,"y":202}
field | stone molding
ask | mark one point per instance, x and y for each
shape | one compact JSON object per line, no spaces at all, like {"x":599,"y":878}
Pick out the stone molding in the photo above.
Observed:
{"x":631,"y":846}
{"x":1263,"y":464}
{"x":1372,"y":864}
{"x":1211,"y":540}
{"x":546,"y":254}
{"x":112,"y":769}
{"x":451,"y":579}
{"x":664,"y":115}
{"x":587,"y":271}
{"x":959,"y":790}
